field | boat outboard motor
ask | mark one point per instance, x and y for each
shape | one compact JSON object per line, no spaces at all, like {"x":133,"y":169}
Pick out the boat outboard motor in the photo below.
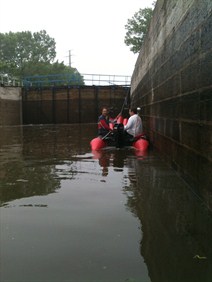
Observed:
{"x":118,"y":131}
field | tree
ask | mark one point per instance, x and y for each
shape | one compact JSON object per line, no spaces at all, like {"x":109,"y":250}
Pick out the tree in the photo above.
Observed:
{"x":23,"y":48}
{"x":25,"y":54}
{"x":48,"y":74}
{"x":137,"y":28}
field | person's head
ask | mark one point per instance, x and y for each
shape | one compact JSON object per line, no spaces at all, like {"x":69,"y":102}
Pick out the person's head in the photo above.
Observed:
{"x":104,"y":111}
{"x":132,"y":111}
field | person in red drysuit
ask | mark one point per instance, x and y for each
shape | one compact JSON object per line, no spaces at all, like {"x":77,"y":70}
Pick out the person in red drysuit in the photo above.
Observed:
{"x":103,"y":122}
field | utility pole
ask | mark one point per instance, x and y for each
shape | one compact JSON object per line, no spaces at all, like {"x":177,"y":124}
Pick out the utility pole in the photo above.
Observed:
{"x":69,"y":58}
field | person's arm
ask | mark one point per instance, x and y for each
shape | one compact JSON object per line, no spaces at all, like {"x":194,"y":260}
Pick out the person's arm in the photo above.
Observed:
{"x":103,"y":124}
{"x":129,"y":124}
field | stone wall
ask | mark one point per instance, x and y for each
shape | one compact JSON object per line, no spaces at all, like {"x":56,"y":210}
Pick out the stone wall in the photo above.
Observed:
{"x":172,"y":83}
{"x":10,"y":106}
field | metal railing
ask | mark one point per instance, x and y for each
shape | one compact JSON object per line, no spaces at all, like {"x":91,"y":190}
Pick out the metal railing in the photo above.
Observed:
{"x":66,"y":80}
{"x":106,"y":79}
{"x":76,"y":79}
{"x":6,"y":80}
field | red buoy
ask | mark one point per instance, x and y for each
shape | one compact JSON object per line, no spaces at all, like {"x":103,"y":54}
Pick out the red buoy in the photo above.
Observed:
{"x":111,"y":125}
{"x":120,"y":119}
{"x":125,"y":121}
{"x":97,"y":143}
{"x":141,"y":144}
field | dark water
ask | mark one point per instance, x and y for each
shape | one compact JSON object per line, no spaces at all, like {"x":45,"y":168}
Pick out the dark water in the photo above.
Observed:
{"x":69,"y":214}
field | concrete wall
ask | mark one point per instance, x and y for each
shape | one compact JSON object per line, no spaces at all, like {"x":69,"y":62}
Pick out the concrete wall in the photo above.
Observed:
{"x":172,"y":83}
{"x":70,"y":104}
{"x":10,"y":106}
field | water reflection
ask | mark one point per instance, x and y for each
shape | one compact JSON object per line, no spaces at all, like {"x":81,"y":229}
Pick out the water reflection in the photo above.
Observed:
{"x":176,"y":224}
{"x":90,"y":195}
{"x":64,"y":220}
{"x":30,"y":155}
{"x":116,"y":157}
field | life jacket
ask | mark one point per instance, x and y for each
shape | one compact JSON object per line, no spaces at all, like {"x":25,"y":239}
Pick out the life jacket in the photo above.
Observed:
{"x":103,"y":125}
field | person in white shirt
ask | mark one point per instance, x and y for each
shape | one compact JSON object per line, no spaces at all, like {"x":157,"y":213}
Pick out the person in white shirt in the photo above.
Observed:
{"x":134,"y":126}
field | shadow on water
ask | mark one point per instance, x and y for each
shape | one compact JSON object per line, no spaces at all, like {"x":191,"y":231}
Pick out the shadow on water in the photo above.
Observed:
{"x":175,"y":224}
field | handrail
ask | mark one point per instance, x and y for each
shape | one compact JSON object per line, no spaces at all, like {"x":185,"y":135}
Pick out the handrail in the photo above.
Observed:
{"x":76,"y":79}
{"x":6,"y":80}
{"x":66,"y":79}
{"x":99,"y":79}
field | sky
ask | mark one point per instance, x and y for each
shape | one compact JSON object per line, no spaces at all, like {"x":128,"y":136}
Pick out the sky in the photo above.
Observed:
{"x":92,"y":30}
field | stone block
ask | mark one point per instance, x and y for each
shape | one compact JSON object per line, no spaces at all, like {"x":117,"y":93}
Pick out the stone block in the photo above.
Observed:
{"x":190,"y":106}
{"x":171,"y":108}
{"x":205,"y":70}
{"x":205,"y":140}
{"x":160,"y":125}
{"x":170,"y":88}
{"x":206,"y":34}
{"x":172,"y":129}
{"x":206,"y":105}
{"x":190,"y":135}
{"x":187,"y":163}
{"x":190,"y":77}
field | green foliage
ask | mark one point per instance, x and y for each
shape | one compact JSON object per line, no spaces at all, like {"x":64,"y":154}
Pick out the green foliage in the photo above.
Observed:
{"x":137,"y":28}
{"x":57,"y":75}
{"x":32,"y":54}
{"x":24,"y":48}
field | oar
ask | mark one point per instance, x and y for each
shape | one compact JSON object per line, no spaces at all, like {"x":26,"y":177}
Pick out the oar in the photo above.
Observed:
{"x":106,"y":135}
{"x":123,"y":106}
{"x":125,"y":101}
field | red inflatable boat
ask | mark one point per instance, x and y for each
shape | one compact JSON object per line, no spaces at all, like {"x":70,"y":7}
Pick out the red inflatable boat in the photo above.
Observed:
{"x":116,"y":138}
